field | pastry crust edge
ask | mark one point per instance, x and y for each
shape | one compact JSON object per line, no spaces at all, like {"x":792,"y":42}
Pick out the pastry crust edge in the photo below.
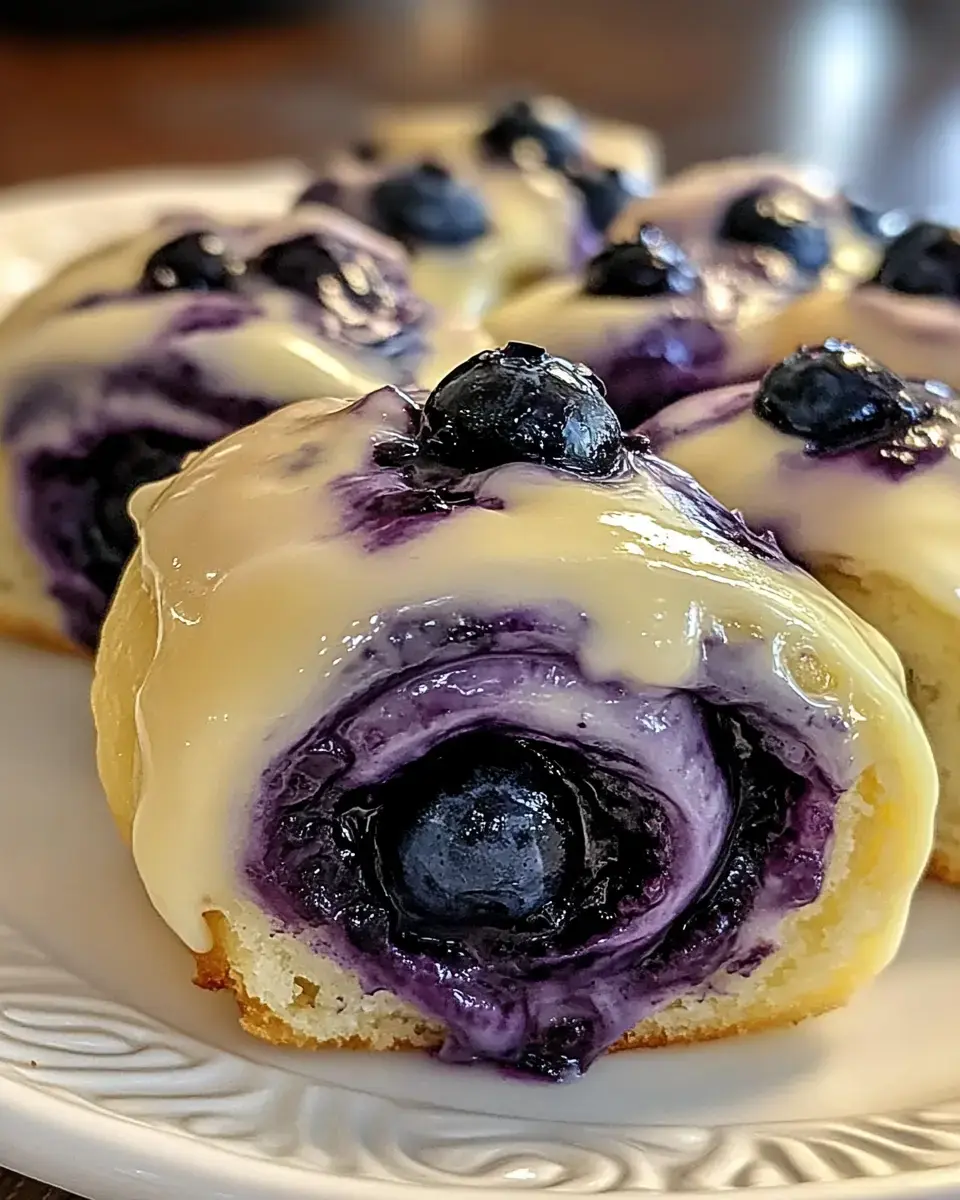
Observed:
{"x":215,"y":973}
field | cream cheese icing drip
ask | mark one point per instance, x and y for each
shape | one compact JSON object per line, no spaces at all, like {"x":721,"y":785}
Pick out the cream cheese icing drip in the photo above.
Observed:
{"x":886,"y":505}
{"x":694,"y":699}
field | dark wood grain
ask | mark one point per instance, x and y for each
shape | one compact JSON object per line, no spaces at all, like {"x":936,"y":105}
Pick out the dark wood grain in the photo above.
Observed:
{"x":867,"y":88}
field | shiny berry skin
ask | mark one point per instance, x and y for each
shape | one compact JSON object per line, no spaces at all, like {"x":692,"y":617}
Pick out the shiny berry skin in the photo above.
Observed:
{"x":520,"y":404}
{"x":195,"y":262}
{"x":545,"y":128}
{"x":305,"y":265}
{"x":923,"y":261}
{"x":650,"y":266}
{"x":482,"y":833}
{"x":781,"y":218}
{"x":836,"y":398}
{"x":298,"y":264}
{"x":605,"y":191}
{"x":427,"y":206}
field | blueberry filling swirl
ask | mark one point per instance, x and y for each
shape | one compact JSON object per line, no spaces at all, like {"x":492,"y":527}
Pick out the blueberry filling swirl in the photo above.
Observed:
{"x":533,"y":855}
{"x":533,"y":858}
{"x":83,"y":441}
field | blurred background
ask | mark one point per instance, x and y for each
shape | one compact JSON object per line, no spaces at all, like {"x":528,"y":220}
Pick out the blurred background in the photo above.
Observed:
{"x":867,"y":88}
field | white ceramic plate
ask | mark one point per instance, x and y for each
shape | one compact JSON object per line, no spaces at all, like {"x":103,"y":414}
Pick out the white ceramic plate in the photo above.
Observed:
{"x":118,"y":1079}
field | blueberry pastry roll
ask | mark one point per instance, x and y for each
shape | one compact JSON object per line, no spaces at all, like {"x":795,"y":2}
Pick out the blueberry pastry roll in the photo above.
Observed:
{"x":855,"y":471}
{"x":468,"y":727}
{"x":156,"y":346}
{"x":907,"y":314}
{"x":553,"y":180}
{"x":469,"y":245}
{"x":686,"y":294}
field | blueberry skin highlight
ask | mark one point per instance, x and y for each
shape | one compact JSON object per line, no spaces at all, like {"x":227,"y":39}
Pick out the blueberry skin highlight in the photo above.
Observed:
{"x":923,"y":261}
{"x":652,"y":265}
{"x":533,"y":122}
{"x":428,"y":206}
{"x":837,"y":398}
{"x":494,"y":839}
{"x":196,"y":262}
{"x":781,"y":219}
{"x":520,"y":404}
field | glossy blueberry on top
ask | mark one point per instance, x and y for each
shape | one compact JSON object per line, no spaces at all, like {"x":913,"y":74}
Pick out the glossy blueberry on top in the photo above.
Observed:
{"x":426,"y":205}
{"x":196,"y":262}
{"x":923,"y":261}
{"x":546,"y":130}
{"x":299,"y":264}
{"x":837,"y":398}
{"x":305,"y":265}
{"x":521,"y":404}
{"x":483,"y":830}
{"x":606,"y":191}
{"x":650,"y":266}
{"x":782,"y":219}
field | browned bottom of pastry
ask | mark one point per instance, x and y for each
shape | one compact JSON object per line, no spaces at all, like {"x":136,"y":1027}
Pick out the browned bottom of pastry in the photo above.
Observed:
{"x":215,"y":973}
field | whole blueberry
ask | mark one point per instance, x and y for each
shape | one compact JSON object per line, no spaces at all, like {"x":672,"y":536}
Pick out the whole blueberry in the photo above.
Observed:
{"x":923,"y":261}
{"x":521,"y":404}
{"x":650,"y":266}
{"x":606,"y":191}
{"x":298,"y":264}
{"x":303,"y":264}
{"x":781,"y":218}
{"x":426,"y":205}
{"x":545,"y":127}
{"x":835,"y":397}
{"x":485,"y":835}
{"x":195,"y":262}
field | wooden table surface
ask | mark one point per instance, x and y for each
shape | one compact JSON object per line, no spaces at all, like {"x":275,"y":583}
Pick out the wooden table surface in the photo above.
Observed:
{"x":869,"y":89}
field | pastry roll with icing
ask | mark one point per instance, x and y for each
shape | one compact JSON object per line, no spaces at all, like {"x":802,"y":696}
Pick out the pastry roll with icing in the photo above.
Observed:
{"x":907,"y":314}
{"x":467,"y":727}
{"x":552,"y":179}
{"x":156,"y":346}
{"x":856,"y":473}
{"x":471,"y":242}
{"x":687,"y":292}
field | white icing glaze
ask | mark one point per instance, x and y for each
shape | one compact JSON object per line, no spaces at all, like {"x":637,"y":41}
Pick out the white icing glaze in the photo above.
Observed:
{"x":916,"y":336}
{"x":738,"y":300}
{"x":237,"y":545}
{"x":827,"y":509}
{"x":690,"y":206}
{"x":533,"y":215}
{"x":561,"y":316}
{"x":407,"y":132}
{"x":536,"y":212}
{"x":274,"y":353}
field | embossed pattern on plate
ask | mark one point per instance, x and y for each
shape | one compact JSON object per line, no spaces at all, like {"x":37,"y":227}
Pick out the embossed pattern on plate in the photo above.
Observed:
{"x":118,"y":1080}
